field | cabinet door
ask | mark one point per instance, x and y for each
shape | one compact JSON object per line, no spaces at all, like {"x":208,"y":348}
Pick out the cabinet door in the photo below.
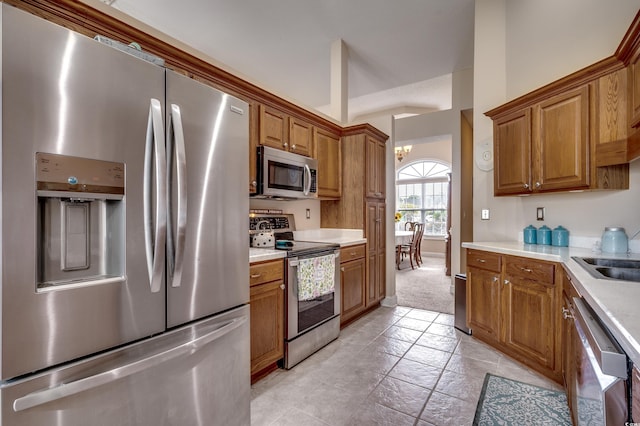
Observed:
{"x":328,"y":152}
{"x":483,"y":302}
{"x":300,"y":137}
{"x":634,"y":90}
{"x":528,"y":316}
{"x":273,"y":128}
{"x":375,"y":167}
{"x":352,"y":278}
{"x":375,"y":234}
{"x":561,"y":150}
{"x":512,"y":153}
{"x":267,"y":324}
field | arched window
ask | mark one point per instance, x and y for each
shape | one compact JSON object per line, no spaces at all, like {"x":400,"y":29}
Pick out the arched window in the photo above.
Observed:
{"x":421,"y":195}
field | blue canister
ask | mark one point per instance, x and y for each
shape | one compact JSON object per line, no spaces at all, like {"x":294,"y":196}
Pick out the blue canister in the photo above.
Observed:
{"x":560,"y":237}
{"x":529,"y":234}
{"x":544,"y":235}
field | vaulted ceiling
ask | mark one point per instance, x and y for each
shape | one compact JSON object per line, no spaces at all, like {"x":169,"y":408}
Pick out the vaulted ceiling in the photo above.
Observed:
{"x":400,"y":53}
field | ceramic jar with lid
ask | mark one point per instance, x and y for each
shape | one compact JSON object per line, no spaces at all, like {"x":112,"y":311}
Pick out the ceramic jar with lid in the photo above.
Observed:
{"x":560,"y":237}
{"x":544,"y":235}
{"x":614,"y":240}
{"x":529,"y":235}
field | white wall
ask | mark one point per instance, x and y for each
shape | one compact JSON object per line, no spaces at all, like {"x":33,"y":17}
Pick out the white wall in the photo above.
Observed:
{"x":521,"y":45}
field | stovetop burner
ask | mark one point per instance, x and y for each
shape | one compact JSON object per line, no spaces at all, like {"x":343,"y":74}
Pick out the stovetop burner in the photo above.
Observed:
{"x":284,"y":225}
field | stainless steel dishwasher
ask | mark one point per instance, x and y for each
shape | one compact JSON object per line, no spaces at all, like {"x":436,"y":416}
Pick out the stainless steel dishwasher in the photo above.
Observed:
{"x":460,"y":305}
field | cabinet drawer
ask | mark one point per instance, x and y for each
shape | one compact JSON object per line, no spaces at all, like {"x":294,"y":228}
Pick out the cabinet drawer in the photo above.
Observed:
{"x":352,"y":253}
{"x":484,"y":260}
{"x":264,"y":272}
{"x":530,"y":270}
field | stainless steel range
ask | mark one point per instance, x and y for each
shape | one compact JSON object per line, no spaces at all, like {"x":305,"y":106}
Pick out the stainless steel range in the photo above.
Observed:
{"x":312,"y":288}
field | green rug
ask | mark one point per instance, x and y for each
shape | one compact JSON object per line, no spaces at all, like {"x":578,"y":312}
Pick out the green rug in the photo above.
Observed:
{"x":509,"y":402}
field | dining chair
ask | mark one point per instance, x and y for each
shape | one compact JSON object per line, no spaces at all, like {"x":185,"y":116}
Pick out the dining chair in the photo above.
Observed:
{"x":411,"y":249}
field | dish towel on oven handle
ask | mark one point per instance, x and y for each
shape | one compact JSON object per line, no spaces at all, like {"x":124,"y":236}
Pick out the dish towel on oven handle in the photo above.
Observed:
{"x":316,"y":277}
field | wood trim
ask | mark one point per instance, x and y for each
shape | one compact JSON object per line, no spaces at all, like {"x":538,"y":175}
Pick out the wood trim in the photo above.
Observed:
{"x":90,"y":21}
{"x":366,"y":129}
{"x":570,"y":82}
{"x":630,"y":42}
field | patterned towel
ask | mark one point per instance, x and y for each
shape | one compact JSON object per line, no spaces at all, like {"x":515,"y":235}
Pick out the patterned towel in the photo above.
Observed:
{"x":316,"y":277}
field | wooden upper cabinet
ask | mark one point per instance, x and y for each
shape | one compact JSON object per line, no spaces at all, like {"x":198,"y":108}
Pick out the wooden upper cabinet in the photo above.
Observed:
{"x":512,"y":153}
{"x":375,"y":167}
{"x":300,"y":137}
{"x":561,"y":142}
{"x":273,"y":128}
{"x":328,"y":152}
{"x":280,"y":131}
{"x":634,"y":91}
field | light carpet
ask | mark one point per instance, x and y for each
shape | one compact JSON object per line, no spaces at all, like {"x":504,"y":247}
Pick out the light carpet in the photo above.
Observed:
{"x":426,"y":287}
{"x":510,"y":402}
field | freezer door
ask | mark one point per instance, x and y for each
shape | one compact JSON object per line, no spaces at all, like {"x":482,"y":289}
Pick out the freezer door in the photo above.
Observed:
{"x":196,"y":375}
{"x":207,"y":153}
{"x":63,"y":93}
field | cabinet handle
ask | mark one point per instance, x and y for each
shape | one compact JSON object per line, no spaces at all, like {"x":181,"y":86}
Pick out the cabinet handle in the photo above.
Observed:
{"x":538,"y":184}
{"x":526,"y":270}
{"x":254,"y":184}
{"x":378,"y":194}
{"x":495,"y":279}
{"x":255,"y":275}
{"x":506,"y":282}
{"x":353,"y":253}
{"x":526,"y":186}
{"x":293,"y":146}
{"x":342,"y":269}
{"x":481,"y":260}
{"x":285,"y":144}
{"x":281,"y":286}
{"x":566,"y":314}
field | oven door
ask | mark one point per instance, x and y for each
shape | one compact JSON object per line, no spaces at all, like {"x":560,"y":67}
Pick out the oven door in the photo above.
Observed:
{"x":304,"y":310}
{"x":601,"y":373}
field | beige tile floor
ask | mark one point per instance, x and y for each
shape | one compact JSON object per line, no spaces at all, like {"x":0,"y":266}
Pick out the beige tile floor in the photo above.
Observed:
{"x":394,"y":366}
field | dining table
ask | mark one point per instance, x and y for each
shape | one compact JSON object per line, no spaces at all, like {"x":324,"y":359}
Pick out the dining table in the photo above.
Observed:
{"x":403,"y":237}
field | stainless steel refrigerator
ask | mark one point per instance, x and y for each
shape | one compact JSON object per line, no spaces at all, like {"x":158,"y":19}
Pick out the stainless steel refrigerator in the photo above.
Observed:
{"x":124,"y":253}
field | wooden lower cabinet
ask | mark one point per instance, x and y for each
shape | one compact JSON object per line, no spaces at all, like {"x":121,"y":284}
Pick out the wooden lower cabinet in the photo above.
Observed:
{"x":267,"y":316}
{"x":484,"y":291}
{"x":513,"y":303}
{"x":353,"y":276}
{"x":569,"y":355}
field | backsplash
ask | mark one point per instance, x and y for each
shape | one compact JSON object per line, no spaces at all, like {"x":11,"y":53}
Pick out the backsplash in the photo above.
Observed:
{"x":592,"y":243}
{"x":297,"y":207}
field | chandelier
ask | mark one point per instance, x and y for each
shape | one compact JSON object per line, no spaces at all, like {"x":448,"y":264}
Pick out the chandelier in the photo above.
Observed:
{"x":402,"y":151}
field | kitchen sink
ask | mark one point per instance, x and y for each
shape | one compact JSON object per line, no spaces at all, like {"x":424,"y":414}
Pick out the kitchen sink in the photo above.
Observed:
{"x":613,"y":269}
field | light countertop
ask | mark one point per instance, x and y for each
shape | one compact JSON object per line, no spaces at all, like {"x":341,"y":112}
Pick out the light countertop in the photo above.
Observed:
{"x":617,"y":303}
{"x":343,"y":237}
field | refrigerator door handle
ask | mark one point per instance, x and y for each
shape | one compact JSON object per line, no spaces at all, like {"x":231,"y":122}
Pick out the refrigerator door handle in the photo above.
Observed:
{"x":307,"y":188}
{"x":63,"y":390}
{"x":181,"y":169}
{"x":155,"y":238}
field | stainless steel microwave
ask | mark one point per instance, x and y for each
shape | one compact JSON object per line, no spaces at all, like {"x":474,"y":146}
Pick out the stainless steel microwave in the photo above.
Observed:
{"x":284,"y":175}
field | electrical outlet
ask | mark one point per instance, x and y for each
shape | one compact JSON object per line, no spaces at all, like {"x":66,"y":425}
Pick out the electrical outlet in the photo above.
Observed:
{"x":484,"y":214}
{"x":308,"y":213}
{"x":540,"y":213}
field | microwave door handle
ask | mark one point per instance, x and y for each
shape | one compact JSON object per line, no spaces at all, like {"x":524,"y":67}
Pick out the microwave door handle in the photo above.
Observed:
{"x":181,"y":169}
{"x":155,"y":238}
{"x":307,"y":171}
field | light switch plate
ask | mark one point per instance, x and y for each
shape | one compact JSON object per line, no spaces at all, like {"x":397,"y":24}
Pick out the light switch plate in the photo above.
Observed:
{"x":484,"y":215}
{"x":540,"y":213}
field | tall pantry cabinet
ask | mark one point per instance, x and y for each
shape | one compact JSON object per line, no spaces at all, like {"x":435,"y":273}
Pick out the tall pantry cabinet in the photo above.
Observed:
{"x":363,"y":202}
